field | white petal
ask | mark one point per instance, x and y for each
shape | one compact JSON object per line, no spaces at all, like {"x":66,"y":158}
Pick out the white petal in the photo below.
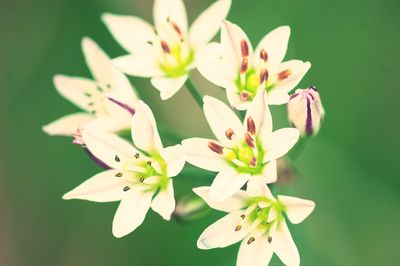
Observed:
{"x":164,"y":202}
{"x":197,"y":153}
{"x":236,"y":202}
{"x":107,"y":147}
{"x":103,"y":187}
{"x":258,"y":253}
{"x":298,"y":70}
{"x":168,"y":86}
{"x":129,"y":30}
{"x":280,"y":142}
{"x":74,"y":89}
{"x":141,"y":64}
{"x":283,"y":245}
{"x":258,"y":189}
{"x":144,"y":129}
{"x":297,"y":209}
{"x":67,"y":125}
{"x":275,"y":44}
{"x":131,"y":211}
{"x":207,"y":24}
{"x":107,"y":124}
{"x":277,"y":97}
{"x":174,"y":158}
{"x":269,"y":173}
{"x":235,"y":100}
{"x":231,"y":37}
{"x":259,"y":112}
{"x":222,"y":233}
{"x":221,"y":118}
{"x":227,"y":183}
{"x":170,"y":10}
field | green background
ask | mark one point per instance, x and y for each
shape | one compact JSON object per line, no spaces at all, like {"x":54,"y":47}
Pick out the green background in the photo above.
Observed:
{"x":350,"y":169}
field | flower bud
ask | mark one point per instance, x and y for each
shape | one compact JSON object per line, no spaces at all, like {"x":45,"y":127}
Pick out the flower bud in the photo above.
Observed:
{"x":305,"y":110}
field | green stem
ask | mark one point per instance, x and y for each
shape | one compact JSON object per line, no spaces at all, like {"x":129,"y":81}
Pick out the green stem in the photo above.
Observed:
{"x":195,"y":93}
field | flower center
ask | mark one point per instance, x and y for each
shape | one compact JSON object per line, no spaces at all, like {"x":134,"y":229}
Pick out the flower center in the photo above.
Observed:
{"x":176,"y":53}
{"x":251,"y":79}
{"x":96,"y":99}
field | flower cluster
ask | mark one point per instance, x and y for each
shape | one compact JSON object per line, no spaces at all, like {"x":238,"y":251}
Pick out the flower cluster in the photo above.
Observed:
{"x":139,"y":170}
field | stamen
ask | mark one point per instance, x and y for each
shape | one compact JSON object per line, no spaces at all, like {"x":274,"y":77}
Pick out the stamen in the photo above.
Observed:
{"x":253,"y":163}
{"x":142,"y":179}
{"x":238,"y":227}
{"x":244,"y":96}
{"x":249,"y":140}
{"x":137,"y":155}
{"x":251,"y":126}
{"x":117,"y":159}
{"x":118,"y":175}
{"x":251,"y":240}
{"x":242,"y":216}
{"x":229,"y":133}
{"x":264,"y":55}
{"x":87,"y":94}
{"x":165,"y":47}
{"x":176,"y":28}
{"x":215,"y":147}
{"x":284,"y":74}
{"x":245,"y":48}
{"x":244,"y":66}
{"x":263,"y":76}
{"x":269,"y":239}
{"x":126,"y":188}
{"x":149,"y":163}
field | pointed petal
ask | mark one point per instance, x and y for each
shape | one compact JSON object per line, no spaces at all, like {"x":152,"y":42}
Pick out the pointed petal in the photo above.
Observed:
{"x":67,"y":125}
{"x":103,"y":187}
{"x":221,"y":118}
{"x":275,"y":44}
{"x":297,"y":68}
{"x":197,"y":153}
{"x":207,"y":24}
{"x":141,"y":64}
{"x":222,"y":233}
{"x":74,"y":89}
{"x":258,"y":253}
{"x":128,"y":31}
{"x":109,"y":148}
{"x":277,"y":97}
{"x":168,"y":86}
{"x":174,"y":158}
{"x":259,"y":112}
{"x":280,"y":142}
{"x":131,"y":211}
{"x":227,"y":183}
{"x":164,"y":202}
{"x":170,"y":10}
{"x":144,"y":129}
{"x":257,"y":189}
{"x":231,"y":37}
{"x":297,"y":209}
{"x":283,"y":245}
{"x":236,"y":202}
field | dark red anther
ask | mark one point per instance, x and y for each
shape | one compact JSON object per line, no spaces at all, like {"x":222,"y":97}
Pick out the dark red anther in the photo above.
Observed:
{"x":215,"y":147}
{"x":165,"y":47}
{"x":263,"y":75}
{"x":251,"y":126}
{"x":245,"y":65}
{"x":264,"y":55}
{"x":229,"y":133}
{"x":245,"y":48}
{"x":284,"y":74}
{"x":249,"y":140}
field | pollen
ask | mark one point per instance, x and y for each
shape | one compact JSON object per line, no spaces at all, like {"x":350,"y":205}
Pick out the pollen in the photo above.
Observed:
{"x":229,"y":133}
{"x":215,"y":147}
{"x":244,"y":66}
{"x":126,"y":188}
{"x":251,"y":126}
{"x":264,"y":55}
{"x":137,"y":155}
{"x":118,"y":174}
{"x":269,"y":239}
{"x":117,"y":159}
{"x":249,"y":140}
{"x":238,"y":227}
{"x":284,"y":74}
{"x":142,"y":179}
{"x":251,"y":240}
{"x":245,"y":48}
{"x":263,"y":76}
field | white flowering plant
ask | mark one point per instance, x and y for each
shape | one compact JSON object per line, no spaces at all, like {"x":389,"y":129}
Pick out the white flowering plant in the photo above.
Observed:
{"x":247,"y":153}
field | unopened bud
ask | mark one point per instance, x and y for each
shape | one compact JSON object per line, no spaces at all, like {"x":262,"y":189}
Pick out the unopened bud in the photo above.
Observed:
{"x":305,"y":111}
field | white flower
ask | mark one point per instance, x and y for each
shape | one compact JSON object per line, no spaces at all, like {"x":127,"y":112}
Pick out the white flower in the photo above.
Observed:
{"x":140,"y":177}
{"x":234,"y":66}
{"x":305,"y":110}
{"x":107,"y":101}
{"x":243,"y":152}
{"x":167,"y":51}
{"x":257,"y":219}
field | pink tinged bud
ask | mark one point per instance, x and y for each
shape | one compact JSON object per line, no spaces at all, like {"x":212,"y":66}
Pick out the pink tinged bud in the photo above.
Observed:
{"x":244,"y":47}
{"x":216,"y":148}
{"x":165,"y":47}
{"x":244,"y":66}
{"x":249,"y":140}
{"x":263,"y":76}
{"x":229,"y":133}
{"x":305,"y":111}
{"x":251,"y":126}
{"x":264,"y":55}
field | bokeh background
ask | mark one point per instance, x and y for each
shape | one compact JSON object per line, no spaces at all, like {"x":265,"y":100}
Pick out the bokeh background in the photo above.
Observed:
{"x":350,"y":169}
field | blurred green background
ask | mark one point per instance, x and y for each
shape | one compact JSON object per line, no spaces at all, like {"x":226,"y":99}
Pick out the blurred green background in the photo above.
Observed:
{"x":350,"y":169}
